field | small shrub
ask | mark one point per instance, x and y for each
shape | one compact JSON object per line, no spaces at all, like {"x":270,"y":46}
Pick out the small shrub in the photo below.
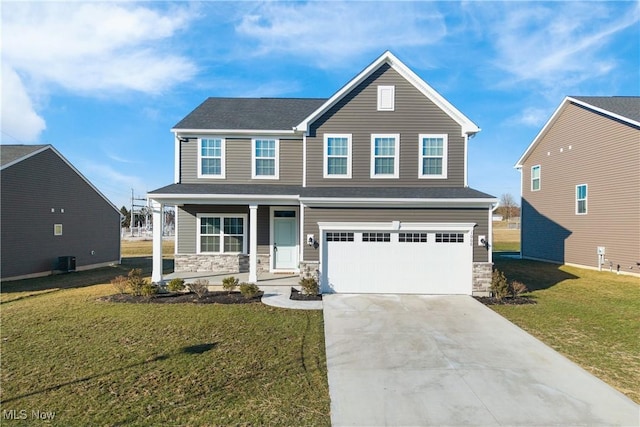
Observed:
{"x":499,"y":285}
{"x":136,"y":281}
{"x":309,"y":286}
{"x":200,"y":287}
{"x":120,"y":283}
{"x":516,"y":288}
{"x":230,"y":283}
{"x":176,"y":285}
{"x":148,"y":289}
{"x":249,"y":290}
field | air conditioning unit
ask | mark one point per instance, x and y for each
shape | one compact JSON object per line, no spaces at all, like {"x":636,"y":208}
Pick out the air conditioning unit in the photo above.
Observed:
{"x":66,"y":263}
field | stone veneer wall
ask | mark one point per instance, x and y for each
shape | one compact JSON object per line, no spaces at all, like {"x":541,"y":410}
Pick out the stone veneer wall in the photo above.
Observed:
{"x":482,"y":278}
{"x":309,"y":269}
{"x":263,"y":263}
{"x":212,"y":262}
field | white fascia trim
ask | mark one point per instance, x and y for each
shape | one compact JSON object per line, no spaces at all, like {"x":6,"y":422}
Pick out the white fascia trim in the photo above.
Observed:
{"x":176,"y":159}
{"x":396,"y":226}
{"x":603,"y":111}
{"x":235,"y":131}
{"x":412,"y":202}
{"x":468,"y":127}
{"x":230,"y":199}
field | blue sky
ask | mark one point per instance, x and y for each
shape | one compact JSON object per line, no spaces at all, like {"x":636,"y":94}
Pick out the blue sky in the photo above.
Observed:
{"x":104,"y":82}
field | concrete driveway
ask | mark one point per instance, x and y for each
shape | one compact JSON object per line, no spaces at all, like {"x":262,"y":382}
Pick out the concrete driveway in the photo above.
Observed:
{"x":415,"y":360}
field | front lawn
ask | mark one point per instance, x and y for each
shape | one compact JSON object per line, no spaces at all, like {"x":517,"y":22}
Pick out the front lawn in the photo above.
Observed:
{"x":100,"y":363}
{"x":591,"y":317}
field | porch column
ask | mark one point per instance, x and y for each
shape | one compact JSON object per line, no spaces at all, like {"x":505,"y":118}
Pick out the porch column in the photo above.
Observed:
{"x":253,"y":243}
{"x":158,"y":225}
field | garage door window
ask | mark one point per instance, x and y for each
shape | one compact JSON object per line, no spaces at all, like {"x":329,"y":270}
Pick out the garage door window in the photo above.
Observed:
{"x":376,"y":237}
{"x":339,"y":237}
{"x":412,"y":237}
{"x":449,"y":237}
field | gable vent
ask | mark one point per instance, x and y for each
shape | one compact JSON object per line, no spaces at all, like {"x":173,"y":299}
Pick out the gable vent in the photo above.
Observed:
{"x":386,"y":98}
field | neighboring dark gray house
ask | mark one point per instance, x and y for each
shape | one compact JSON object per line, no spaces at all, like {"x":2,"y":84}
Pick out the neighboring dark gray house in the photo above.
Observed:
{"x":367,"y":187}
{"x":581,"y":185}
{"x":53,"y":218}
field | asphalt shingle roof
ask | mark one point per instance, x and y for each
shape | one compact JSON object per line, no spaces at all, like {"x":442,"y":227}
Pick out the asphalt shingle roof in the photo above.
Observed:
{"x":329,"y":192}
{"x":11,"y":153}
{"x":625,"y":106}
{"x":250,"y":113}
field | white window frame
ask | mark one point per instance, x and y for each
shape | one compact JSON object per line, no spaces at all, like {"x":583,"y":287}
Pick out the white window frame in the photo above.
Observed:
{"x":381,"y":92}
{"x":57,"y":229}
{"x":539,"y":178}
{"x":222,"y":157}
{"x":254,"y":158}
{"x":586,"y":199}
{"x":222,"y":217}
{"x":396,"y":160}
{"x":444,"y":157}
{"x":326,"y":173}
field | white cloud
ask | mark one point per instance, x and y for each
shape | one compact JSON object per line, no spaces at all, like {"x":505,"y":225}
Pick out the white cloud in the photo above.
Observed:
{"x":533,"y":117}
{"x":327,"y":34}
{"x":557,"y":44}
{"x":20,"y":122}
{"x":91,"y":49}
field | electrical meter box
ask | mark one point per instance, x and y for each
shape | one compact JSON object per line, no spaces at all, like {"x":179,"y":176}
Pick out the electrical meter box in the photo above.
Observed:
{"x":600,"y":250}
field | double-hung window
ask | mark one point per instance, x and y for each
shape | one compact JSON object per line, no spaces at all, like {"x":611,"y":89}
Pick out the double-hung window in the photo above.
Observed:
{"x":385,"y":155}
{"x":535,"y":178}
{"x":581,"y":199}
{"x":211,"y":158}
{"x":264,"y":158}
{"x":337,"y":156}
{"x":222,"y":233}
{"x":433,"y":156}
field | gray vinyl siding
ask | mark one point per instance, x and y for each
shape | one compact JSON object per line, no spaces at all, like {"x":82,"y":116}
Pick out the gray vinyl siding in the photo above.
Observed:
{"x":238,"y":162}
{"x":605,"y":155}
{"x":312,"y":216}
{"x":30,"y":190}
{"x":188,"y":223}
{"x":357,"y":114}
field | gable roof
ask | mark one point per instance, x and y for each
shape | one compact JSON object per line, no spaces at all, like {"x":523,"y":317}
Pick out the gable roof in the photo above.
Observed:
{"x":468,"y":127}
{"x":14,"y":154}
{"x":623,"y":108}
{"x":254,"y":114}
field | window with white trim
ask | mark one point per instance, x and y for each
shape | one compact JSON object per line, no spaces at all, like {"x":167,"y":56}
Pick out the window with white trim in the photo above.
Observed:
{"x":386,"y":98}
{"x":337,"y":156}
{"x":385,"y":155}
{"x":222,"y":233}
{"x":265,"y":158}
{"x":211,"y":158}
{"x":581,"y":199}
{"x":535,"y":178}
{"x":433,"y":155}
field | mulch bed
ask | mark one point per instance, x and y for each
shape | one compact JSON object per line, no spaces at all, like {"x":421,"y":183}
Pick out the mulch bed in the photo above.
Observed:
{"x":217,"y":297}
{"x":506,"y":301}
{"x":299,"y":296}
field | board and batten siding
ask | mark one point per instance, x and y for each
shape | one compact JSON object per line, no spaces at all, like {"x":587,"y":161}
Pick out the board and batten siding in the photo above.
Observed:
{"x":34,"y":194}
{"x":238,"y":163}
{"x":357,"y":114}
{"x":312,"y":216}
{"x":188,"y":223}
{"x":583,"y":147}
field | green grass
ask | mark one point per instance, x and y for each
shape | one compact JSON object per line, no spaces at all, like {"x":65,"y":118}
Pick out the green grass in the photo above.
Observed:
{"x":98,"y":363}
{"x":504,"y":239}
{"x":591,"y":317}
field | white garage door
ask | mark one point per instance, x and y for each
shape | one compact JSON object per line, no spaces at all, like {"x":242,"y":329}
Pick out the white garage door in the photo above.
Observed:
{"x":412,"y":262}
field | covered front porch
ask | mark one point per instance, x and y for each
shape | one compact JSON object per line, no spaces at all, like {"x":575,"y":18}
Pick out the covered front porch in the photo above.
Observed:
{"x":256,"y":238}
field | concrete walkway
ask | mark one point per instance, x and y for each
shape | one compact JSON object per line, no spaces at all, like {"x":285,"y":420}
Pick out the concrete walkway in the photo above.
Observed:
{"x":278,"y":296}
{"x":409,"y":360}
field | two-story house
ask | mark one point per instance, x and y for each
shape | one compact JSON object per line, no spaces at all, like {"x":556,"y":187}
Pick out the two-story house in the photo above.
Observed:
{"x":581,"y":185}
{"x":368,"y":188}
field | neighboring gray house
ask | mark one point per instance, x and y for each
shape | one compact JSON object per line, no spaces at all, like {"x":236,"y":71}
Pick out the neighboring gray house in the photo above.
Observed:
{"x":367,"y":187}
{"x":581,"y":185}
{"x":53,"y":219}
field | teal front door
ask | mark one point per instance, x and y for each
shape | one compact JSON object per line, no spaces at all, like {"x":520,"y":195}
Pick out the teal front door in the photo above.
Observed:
{"x":285,"y":242}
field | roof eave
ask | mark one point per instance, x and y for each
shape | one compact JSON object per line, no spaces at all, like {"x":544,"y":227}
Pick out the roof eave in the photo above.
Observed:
{"x":235,"y":131}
